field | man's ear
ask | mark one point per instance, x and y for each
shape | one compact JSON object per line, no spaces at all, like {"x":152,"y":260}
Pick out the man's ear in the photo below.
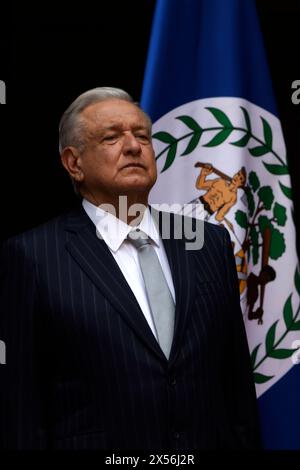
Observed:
{"x":70,"y":158}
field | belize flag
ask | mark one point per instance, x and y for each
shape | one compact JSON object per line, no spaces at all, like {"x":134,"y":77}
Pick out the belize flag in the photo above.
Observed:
{"x":218,"y":140}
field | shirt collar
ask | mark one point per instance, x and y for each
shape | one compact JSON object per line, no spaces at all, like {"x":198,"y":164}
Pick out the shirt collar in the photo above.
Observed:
{"x":113,"y":230}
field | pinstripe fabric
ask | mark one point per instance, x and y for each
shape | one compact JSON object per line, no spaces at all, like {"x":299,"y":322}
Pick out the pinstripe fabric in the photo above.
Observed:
{"x":84,"y":370}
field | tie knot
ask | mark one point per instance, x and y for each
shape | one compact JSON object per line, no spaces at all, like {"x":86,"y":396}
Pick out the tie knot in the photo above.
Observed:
{"x":138,"y":238}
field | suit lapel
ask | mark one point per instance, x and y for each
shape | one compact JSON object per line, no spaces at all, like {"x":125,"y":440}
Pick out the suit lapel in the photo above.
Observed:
{"x":96,"y":260}
{"x":183,"y":273}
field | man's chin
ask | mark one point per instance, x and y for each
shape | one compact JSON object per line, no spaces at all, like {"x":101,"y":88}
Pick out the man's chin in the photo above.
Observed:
{"x":140,"y":185}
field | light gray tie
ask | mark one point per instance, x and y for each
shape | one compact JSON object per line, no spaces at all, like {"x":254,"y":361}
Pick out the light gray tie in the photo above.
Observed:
{"x":158,"y":292}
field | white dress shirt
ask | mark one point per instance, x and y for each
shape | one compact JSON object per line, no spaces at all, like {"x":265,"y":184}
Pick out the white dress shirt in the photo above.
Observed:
{"x":114,"y":232}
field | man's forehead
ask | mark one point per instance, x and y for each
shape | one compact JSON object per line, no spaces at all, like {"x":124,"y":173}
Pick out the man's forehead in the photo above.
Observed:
{"x":113,"y":110}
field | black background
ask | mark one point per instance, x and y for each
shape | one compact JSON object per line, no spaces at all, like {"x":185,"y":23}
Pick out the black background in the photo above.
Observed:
{"x":51,"y":53}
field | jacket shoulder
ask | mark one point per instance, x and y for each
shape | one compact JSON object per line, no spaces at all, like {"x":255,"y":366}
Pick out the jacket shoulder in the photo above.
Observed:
{"x":190,"y":228}
{"x":52,"y":227}
{"x":217,"y":231}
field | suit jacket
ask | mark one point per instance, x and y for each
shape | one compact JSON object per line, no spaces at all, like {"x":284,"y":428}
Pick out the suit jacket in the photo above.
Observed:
{"x":84,"y":370}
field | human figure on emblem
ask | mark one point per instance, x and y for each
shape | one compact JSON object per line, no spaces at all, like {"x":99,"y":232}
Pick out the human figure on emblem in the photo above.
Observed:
{"x":267,"y":274}
{"x":221,"y":192}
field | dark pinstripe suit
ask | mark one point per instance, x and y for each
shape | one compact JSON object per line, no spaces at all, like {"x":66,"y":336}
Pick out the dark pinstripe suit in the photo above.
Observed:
{"x":83,"y":368}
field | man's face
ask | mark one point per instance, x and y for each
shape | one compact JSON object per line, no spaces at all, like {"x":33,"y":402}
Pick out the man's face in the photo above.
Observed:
{"x":239,"y":179}
{"x":118,"y":158}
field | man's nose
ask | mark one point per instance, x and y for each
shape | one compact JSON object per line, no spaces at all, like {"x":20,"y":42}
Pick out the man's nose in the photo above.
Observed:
{"x":131,"y":145}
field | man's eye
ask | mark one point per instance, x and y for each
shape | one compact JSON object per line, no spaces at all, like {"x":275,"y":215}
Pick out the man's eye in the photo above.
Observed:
{"x":110,"y":138}
{"x":142,"y":137}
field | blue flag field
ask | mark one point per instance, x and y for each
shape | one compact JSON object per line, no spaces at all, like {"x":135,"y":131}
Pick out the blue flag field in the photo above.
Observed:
{"x":208,"y":90}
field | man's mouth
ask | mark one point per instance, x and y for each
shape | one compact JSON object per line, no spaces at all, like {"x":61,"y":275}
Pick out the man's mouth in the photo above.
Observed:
{"x":133,"y":165}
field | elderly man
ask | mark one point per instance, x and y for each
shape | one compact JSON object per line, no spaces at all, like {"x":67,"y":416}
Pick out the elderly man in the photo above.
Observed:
{"x":118,"y":338}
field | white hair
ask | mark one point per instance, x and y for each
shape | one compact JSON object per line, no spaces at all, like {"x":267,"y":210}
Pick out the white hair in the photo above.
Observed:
{"x":71,"y":126}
